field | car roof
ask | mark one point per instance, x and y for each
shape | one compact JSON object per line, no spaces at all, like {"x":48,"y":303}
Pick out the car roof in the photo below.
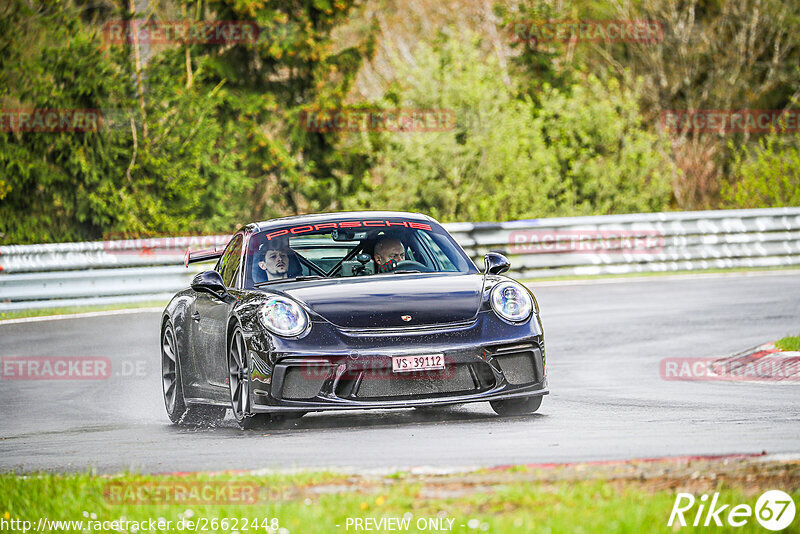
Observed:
{"x":339,"y":216}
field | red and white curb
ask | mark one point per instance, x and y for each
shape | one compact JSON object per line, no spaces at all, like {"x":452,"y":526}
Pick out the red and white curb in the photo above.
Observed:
{"x":766,"y":363}
{"x":763,"y":364}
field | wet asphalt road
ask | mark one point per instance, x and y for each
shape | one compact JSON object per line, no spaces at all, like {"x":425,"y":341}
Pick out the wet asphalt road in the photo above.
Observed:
{"x":604,"y":344}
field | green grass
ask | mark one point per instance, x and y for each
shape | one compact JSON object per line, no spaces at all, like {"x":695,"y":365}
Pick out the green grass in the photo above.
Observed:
{"x":789,"y":343}
{"x":43,"y":312}
{"x":513,"y":501}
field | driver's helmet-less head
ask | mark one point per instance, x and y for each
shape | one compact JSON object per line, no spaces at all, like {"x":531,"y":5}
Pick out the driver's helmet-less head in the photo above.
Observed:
{"x":389,"y":248}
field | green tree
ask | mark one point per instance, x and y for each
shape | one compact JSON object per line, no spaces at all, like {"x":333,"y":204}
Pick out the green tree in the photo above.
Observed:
{"x":293,"y":68}
{"x":203,"y":137}
{"x":714,"y":54}
{"x":582,"y":151}
{"x":765,"y":175}
{"x":58,"y":185}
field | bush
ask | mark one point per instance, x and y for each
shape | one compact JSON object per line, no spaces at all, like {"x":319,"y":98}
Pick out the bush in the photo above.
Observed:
{"x":766,"y":175}
{"x":582,"y":151}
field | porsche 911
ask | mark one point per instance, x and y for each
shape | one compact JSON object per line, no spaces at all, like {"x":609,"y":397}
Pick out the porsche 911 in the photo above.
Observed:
{"x":348,"y":311}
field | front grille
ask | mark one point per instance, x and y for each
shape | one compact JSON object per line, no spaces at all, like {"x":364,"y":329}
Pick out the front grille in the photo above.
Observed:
{"x":302,"y":382}
{"x":428,"y":329}
{"x":451,"y":380}
{"x":520,"y":367}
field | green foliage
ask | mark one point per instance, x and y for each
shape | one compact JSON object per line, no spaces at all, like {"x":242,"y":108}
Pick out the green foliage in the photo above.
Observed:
{"x":583,"y":150}
{"x":623,"y":499}
{"x":214,"y":141}
{"x":57,"y":185}
{"x":611,"y":162}
{"x":294,"y":67}
{"x":765,"y":175}
{"x":789,"y":343}
{"x":217,"y":137}
{"x":188,"y":166}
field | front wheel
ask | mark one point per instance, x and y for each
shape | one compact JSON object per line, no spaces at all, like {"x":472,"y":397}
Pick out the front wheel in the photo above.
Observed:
{"x":516,"y":406}
{"x":239,"y":382}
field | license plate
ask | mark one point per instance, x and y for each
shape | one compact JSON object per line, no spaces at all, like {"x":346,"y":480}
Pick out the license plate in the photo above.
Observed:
{"x":422,"y":362}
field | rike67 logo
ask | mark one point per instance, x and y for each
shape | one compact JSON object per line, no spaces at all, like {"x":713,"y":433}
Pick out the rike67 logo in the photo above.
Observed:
{"x":774,"y":510}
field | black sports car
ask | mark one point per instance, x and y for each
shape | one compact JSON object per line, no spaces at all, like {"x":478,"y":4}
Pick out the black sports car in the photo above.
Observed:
{"x":348,"y":311}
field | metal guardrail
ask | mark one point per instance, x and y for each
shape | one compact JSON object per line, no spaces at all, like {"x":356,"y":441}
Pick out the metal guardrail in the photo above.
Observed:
{"x":639,"y":243}
{"x":112,"y":254}
{"x":67,"y":274}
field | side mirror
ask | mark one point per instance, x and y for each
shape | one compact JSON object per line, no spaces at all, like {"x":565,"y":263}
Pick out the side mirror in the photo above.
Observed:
{"x":211,"y":282}
{"x":496,"y":263}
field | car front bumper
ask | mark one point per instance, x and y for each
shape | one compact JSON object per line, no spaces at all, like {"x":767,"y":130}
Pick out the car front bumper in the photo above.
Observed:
{"x":340,"y":371}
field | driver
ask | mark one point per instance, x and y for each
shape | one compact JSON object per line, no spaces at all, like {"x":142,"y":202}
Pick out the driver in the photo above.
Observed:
{"x":276,"y":259}
{"x":388,"y":253}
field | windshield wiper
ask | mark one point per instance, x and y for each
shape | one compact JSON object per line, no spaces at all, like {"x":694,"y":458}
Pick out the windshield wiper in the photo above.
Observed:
{"x":295,"y":279}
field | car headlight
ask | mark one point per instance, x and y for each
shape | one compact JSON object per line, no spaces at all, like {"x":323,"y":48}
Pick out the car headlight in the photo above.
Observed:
{"x":284,"y":316}
{"x":511,"y":302}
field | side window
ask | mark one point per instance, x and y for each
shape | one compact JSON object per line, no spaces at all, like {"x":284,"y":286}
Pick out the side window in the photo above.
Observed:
{"x":230,"y":260}
{"x":447,"y":265}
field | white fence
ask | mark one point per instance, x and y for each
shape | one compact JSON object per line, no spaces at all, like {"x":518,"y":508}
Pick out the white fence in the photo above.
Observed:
{"x":66,"y":274}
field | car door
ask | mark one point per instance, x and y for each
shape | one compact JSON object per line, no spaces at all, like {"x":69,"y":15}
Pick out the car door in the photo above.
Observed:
{"x":210,"y":317}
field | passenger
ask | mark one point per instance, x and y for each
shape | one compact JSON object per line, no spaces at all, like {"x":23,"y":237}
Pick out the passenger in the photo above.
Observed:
{"x":276,"y":259}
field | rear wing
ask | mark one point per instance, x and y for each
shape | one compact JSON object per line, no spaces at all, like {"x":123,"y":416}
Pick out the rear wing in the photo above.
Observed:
{"x":194,"y":256}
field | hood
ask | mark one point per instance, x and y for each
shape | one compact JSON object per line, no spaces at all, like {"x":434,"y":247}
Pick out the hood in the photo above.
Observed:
{"x":382,"y":301}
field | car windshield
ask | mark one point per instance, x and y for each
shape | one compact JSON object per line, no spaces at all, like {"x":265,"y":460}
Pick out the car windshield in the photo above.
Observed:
{"x":352,"y":248}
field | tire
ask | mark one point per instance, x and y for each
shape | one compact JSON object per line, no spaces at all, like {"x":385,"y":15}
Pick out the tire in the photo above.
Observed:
{"x":172,"y":387}
{"x":516,"y":406}
{"x":239,"y":384}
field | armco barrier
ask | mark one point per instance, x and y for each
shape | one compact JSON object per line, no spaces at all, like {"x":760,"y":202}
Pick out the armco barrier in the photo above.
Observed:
{"x":65,"y":274}
{"x":647,"y":242}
